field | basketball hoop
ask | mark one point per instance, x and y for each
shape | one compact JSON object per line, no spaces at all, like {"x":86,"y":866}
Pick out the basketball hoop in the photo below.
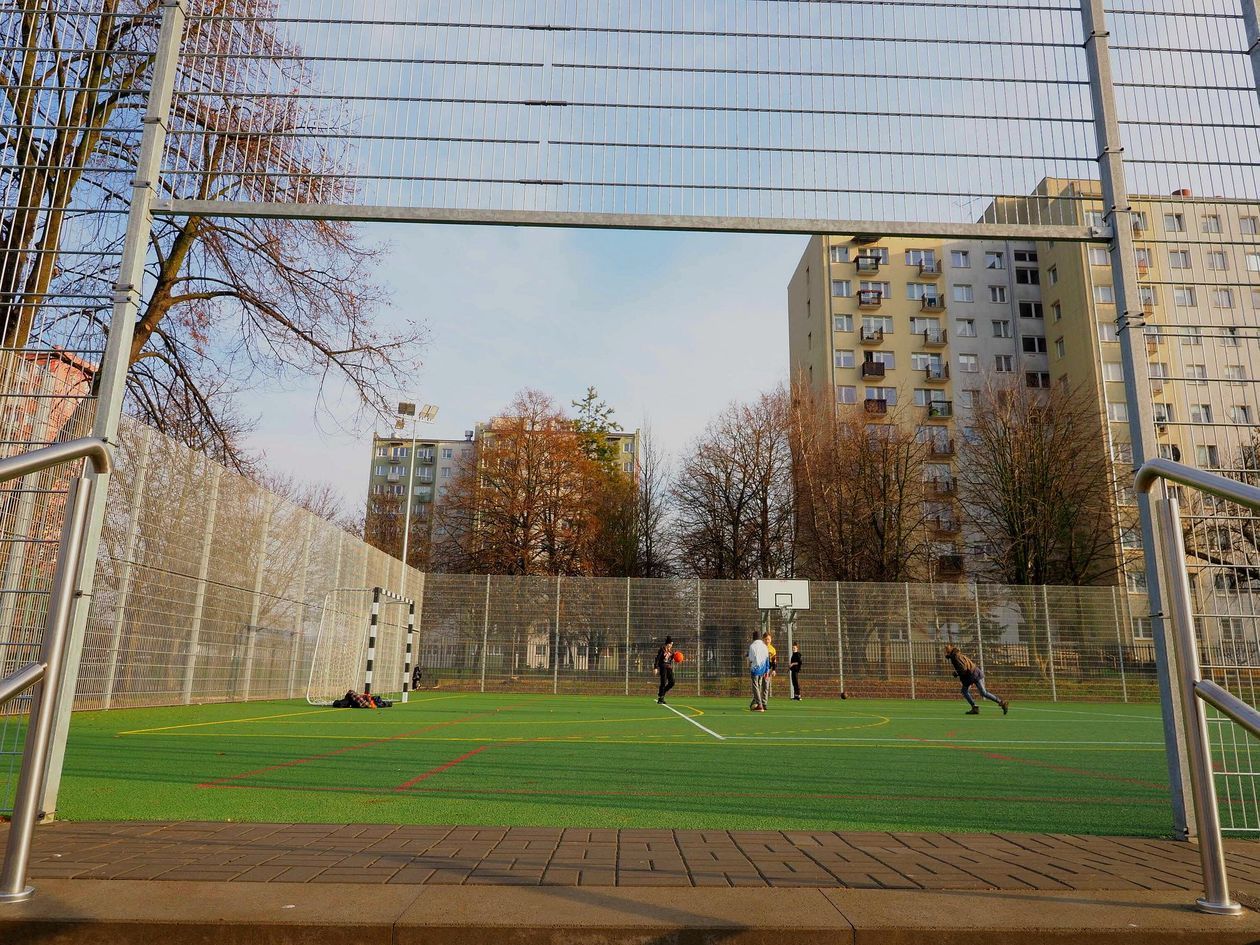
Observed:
{"x":787,"y":613}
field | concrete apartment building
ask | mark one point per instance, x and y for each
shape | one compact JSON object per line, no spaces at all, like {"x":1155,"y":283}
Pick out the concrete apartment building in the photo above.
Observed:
{"x":858,"y":324}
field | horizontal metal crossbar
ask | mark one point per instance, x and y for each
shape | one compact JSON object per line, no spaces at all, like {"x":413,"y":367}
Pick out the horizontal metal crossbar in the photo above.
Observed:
{"x":1223,"y":700}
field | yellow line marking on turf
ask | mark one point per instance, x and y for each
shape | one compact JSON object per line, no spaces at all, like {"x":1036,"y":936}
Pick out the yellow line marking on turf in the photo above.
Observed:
{"x":256,"y":718}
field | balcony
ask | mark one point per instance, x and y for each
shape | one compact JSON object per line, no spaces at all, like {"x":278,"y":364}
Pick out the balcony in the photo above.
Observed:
{"x":940,"y":409}
{"x":945,"y":485}
{"x":942,"y":447}
{"x":930,"y":270}
{"x":395,"y":475}
{"x":873,"y":369}
{"x":935,"y":338}
{"x":936,"y":372}
{"x":949,"y":564}
{"x":872,"y":336}
{"x":866,"y":263}
{"x":946,"y":525}
{"x":874,"y":405}
{"x":932,"y":303}
{"x":870,"y":298}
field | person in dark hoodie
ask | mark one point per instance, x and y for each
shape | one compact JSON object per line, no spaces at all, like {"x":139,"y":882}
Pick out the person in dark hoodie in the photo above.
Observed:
{"x":969,"y":674}
{"x":663,"y":666}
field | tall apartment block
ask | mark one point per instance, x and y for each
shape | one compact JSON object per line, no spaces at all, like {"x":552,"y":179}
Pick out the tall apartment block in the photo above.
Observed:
{"x":923,"y":323}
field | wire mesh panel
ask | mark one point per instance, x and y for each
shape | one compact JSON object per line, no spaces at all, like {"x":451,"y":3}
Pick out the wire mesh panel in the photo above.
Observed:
{"x":785,"y":114}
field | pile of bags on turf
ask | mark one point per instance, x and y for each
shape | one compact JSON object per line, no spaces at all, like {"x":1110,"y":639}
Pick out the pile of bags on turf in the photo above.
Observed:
{"x":357,"y":700}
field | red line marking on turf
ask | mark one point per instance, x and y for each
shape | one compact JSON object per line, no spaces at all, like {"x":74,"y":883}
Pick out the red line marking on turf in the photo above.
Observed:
{"x":443,"y":767}
{"x":223,"y":782}
{"x":1061,"y":769}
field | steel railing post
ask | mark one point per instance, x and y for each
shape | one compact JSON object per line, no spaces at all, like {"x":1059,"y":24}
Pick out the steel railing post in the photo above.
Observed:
{"x":625,"y":654}
{"x":1216,"y":898}
{"x":485,"y":634}
{"x":1115,"y":607}
{"x":203,"y":584}
{"x":39,"y":733}
{"x":839,"y":639}
{"x":1045,"y":614}
{"x":555,"y":661}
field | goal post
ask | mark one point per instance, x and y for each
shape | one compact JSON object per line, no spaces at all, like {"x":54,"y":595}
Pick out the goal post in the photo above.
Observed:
{"x":365,"y":642}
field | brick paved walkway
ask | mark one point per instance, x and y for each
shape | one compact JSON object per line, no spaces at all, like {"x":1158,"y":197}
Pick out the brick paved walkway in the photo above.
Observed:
{"x":323,"y":853}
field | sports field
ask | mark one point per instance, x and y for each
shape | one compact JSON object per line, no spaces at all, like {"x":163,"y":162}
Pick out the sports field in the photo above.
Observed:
{"x":532,"y":760}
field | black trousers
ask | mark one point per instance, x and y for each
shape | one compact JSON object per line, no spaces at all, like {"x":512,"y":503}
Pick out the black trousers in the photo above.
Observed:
{"x":796,"y":682}
{"x":667,"y":681}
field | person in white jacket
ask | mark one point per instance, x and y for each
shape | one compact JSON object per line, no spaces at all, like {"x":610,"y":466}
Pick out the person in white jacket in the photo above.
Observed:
{"x":759,"y":671}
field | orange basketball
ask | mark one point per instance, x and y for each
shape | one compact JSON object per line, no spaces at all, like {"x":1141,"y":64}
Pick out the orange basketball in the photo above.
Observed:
{"x":678,"y":657}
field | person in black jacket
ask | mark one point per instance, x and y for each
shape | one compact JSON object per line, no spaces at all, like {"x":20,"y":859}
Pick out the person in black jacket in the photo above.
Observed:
{"x":970,"y":674}
{"x":663,"y":666}
{"x":795,"y":667}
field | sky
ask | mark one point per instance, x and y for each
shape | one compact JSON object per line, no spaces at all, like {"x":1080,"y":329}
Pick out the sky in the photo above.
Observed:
{"x":670,"y":327}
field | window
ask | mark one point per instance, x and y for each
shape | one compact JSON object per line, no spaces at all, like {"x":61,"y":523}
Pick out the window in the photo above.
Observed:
{"x":1098,"y":256}
{"x":839,"y":254}
{"x":1232,"y":629}
{"x":627,"y":446}
{"x":887,"y":394}
{"x":1142,"y":629}
{"x":1162,"y":413}
{"x":922,"y":361}
{"x":874,"y":323}
{"x":1212,"y":223}
{"x":964,"y":293}
{"x":1094,"y":218}
{"x":887,"y":358}
{"x":1025,"y":255}
{"x":382,"y":470}
{"x":997,"y":293}
{"x":448,"y":452}
{"x":1217,"y":261}
{"x":1113,"y":371}
{"x":399,"y":452}
{"x":1135,"y":581}
{"x":924,"y":396}
{"x":1184,"y":295}
{"x":1156,"y":369}
{"x":1148,"y":295}
{"x":968,"y":397}
{"x":1235,"y":372}
{"x":1026,"y":275}
{"x":1054,"y":275}
{"x":1200,"y":413}
{"x":1037,"y":379}
{"x":969,"y":363}
{"x":920,"y":257}
{"x":1142,"y":257}
{"x":1193,"y":336}
{"x":1179,"y":258}
{"x":1229,"y":337}
{"x":1175,"y":222}
{"x":960,"y":259}
{"x":1104,"y":295}
{"x":1060,"y":349}
{"x":842,"y":323}
{"x":846,"y":394}
{"x":382,"y":451}
{"x":919,"y":325}
{"x":841,"y":288}
{"x":1107,"y":331}
{"x":883,"y":288}
{"x":1057,"y":311}
{"x":396,"y":490}
{"x":1030,"y":310}
{"x":1140,"y":220}
{"x":1002,"y":329}
{"x":965,"y":327}
{"x":916,"y":290}
{"x":1118,"y":413}
{"x":994,"y":260}
{"x":1222,"y":298}
{"x":1247,"y":226}
{"x":1034,"y":344}
{"x":1122,"y":452}
{"x":1206,"y":456}
{"x":1240,"y":413}
{"x":446,"y":472}
{"x":1004,"y":363}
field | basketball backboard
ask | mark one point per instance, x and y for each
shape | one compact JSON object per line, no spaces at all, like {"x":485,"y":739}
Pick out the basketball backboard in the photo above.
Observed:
{"x":776,"y":595}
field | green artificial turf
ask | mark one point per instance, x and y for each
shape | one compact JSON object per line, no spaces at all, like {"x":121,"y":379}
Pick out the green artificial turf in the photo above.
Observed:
{"x":531,"y":760}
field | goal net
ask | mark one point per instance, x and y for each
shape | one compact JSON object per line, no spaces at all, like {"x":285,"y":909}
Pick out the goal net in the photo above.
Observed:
{"x":362,"y":645}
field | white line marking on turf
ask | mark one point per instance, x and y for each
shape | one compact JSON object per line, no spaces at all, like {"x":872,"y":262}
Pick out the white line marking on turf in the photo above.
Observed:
{"x":923,"y":741}
{"x":694,"y":722}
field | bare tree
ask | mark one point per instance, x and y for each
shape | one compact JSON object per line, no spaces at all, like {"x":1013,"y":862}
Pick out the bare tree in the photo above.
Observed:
{"x":1037,"y":484}
{"x":651,"y":508}
{"x":733,"y":494}
{"x":862,"y":507}
{"x":230,"y":300}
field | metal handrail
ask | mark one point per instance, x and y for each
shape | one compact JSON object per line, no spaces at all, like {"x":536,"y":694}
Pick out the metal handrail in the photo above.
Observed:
{"x":50,"y":669}
{"x":91,"y":448}
{"x":1193,"y":689}
{"x":1212,"y":483}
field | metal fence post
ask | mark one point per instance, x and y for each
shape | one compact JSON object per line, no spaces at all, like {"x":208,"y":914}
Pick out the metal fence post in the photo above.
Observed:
{"x":839,"y":639}
{"x":975,"y":593}
{"x":26,"y":804}
{"x":1207,"y":816}
{"x":555,"y":661}
{"x":299,"y":619}
{"x":1130,"y":323}
{"x":1045,"y":614}
{"x":485,"y":633}
{"x":124,"y":571}
{"x":1251,"y":21}
{"x":255,"y":604}
{"x":1115,"y":607}
{"x":910,"y":639}
{"x":625,"y":656}
{"x":199,"y":593}
{"x":699,"y":675}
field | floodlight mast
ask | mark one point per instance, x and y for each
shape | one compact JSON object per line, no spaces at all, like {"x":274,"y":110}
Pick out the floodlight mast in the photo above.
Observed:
{"x":427,"y":414}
